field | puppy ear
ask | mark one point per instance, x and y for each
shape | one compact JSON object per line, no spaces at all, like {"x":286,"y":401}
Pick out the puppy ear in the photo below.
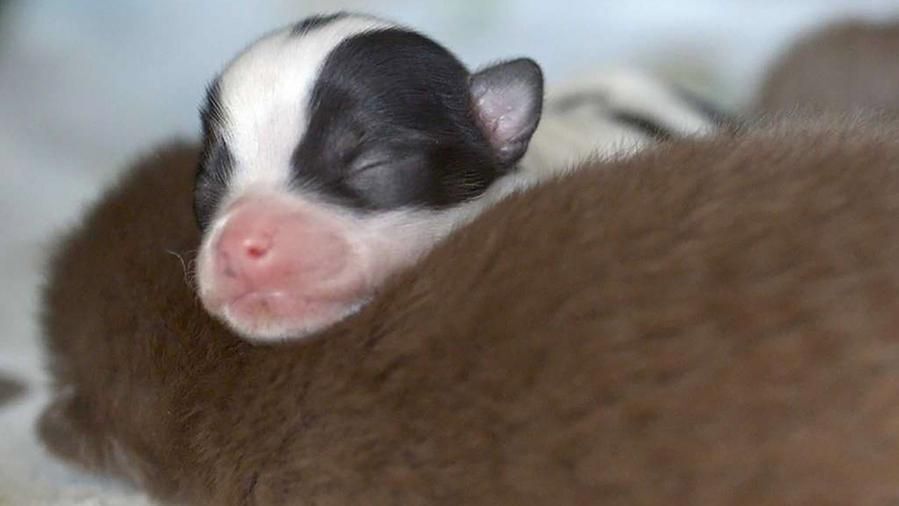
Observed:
{"x":508,"y":101}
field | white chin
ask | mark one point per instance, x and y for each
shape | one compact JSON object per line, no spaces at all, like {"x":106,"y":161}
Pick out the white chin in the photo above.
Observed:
{"x":268,"y":328}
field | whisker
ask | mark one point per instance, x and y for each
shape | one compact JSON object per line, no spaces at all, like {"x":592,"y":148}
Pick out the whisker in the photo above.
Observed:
{"x":184,"y":266}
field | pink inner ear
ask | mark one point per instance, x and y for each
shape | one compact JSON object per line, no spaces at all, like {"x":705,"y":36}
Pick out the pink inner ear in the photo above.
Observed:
{"x":505,"y":113}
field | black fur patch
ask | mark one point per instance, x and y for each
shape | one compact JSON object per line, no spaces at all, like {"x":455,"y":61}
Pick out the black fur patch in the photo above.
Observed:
{"x":646,"y":125}
{"x":576,"y":100}
{"x":711,"y":111}
{"x":313,"y":22}
{"x":603,"y":106}
{"x":216,"y":162}
{"x":391,"y":125}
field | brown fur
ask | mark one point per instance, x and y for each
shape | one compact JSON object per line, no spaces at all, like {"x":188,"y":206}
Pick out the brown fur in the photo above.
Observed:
{"x":851,"y":66}
{"x":9,"y":389}
{"x":711,"y":322}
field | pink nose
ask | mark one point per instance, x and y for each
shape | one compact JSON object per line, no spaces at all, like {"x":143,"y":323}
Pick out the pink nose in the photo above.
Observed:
{"x":244,"y":251}
{"x":266,"y":247}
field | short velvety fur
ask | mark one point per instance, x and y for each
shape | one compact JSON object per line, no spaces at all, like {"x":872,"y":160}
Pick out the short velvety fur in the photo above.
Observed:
{"x":397,"y":101}
{"x":848,"y":66}
{"x":391,"y":120}
{"x":711,"y":322}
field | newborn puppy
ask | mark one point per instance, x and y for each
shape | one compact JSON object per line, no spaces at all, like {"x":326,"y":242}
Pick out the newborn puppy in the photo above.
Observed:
{"x":330,"y":148}
{"x":338,"y":151}
{"x":708,"y":322}
{"x":851,"y":66}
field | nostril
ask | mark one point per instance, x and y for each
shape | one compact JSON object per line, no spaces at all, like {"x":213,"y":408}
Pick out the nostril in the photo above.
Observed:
{"x":257,"y":247}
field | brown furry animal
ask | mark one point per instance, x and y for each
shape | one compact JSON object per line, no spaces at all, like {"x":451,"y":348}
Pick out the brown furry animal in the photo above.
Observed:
{"x":846,"y":67}
{"x":711,"y":322}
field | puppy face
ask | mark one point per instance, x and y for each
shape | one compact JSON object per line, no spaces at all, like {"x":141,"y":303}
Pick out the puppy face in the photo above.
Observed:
{"x":336,"y":152}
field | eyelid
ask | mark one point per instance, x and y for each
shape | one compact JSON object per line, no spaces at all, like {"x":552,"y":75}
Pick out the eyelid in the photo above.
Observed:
{"x":368,"y":164}
{"x":377,"y":158}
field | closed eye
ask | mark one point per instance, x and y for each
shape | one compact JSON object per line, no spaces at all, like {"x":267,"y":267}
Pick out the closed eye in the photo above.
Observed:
{"x":366,"y":166}
{"x":395,"y":156}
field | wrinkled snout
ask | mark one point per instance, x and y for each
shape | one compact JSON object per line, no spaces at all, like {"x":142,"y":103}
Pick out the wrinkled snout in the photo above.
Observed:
{"x":273,"y":267}
{"x":266,"y":247}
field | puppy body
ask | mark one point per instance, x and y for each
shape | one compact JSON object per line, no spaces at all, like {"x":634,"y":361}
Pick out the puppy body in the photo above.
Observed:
{"x":709,"y":322}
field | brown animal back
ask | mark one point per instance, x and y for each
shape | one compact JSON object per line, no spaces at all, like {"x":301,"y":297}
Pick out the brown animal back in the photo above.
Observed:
{"x":847,"y":67}
{"x":711,"y":322}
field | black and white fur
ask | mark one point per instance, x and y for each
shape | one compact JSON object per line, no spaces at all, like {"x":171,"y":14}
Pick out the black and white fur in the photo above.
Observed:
{"x":364,"y":113}
{"x":614,"y":112}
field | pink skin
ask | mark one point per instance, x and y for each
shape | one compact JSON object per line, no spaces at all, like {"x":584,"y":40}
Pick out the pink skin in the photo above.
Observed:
{"x":279,"y":265}
{"x":276,"y":267}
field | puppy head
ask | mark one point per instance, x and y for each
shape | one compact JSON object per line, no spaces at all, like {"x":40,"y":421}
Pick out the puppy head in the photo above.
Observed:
{"x":334,"y":153}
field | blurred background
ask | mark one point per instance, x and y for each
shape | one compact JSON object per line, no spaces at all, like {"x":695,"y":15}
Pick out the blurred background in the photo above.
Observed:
{"x":86,"y":85}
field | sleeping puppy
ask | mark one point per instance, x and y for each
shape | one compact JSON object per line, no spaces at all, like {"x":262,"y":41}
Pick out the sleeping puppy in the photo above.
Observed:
{"x":339,"y":150}
{"x":708,"y":322}
{"x":330,"y":148}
